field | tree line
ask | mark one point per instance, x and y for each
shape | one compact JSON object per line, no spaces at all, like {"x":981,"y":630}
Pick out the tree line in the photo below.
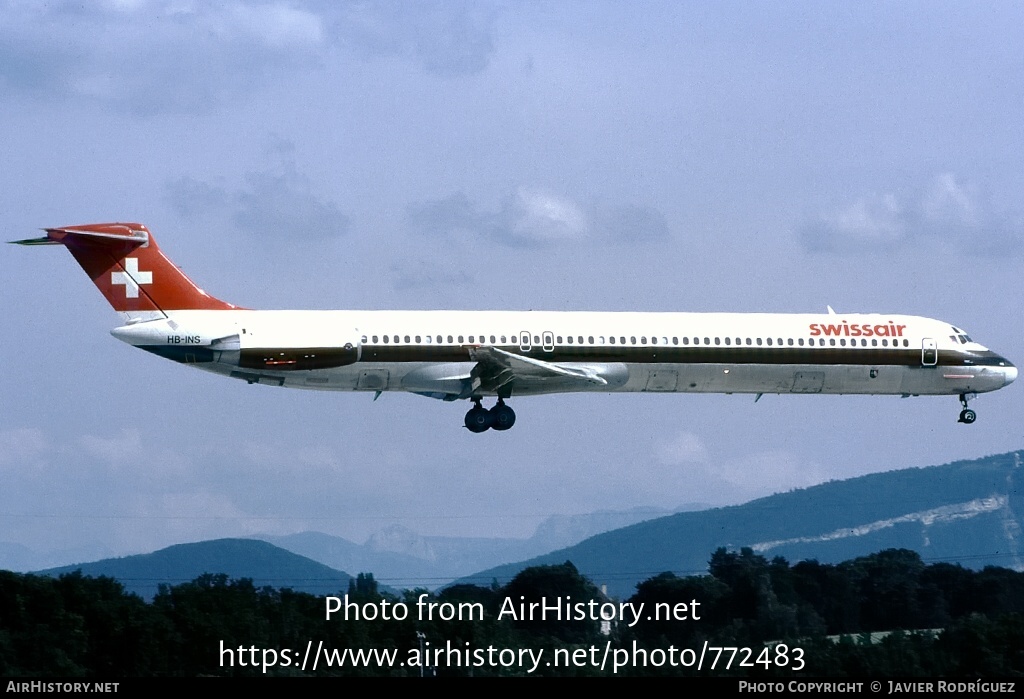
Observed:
{"x":884,"y":614}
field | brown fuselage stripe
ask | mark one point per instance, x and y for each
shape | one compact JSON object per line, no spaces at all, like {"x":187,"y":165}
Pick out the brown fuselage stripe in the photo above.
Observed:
{"x":824,"y":356}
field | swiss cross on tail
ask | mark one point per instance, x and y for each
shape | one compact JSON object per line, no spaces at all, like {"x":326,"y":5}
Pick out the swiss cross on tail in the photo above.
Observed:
{"x":131,"y":277}
{"x":126,"y":265}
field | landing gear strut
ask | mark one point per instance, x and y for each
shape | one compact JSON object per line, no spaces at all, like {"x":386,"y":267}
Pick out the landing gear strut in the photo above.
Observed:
{"x":501,"y":417}
{"x":967,"y":416}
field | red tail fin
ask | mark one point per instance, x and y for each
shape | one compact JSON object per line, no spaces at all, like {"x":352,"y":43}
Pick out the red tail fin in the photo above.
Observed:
{"x":126,"y":265}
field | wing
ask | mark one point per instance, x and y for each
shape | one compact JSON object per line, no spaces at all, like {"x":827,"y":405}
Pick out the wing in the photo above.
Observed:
{"x":497,"y":371}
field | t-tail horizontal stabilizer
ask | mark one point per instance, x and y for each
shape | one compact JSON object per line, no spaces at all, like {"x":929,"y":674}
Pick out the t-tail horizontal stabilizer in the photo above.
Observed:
{"x":127,"y":266}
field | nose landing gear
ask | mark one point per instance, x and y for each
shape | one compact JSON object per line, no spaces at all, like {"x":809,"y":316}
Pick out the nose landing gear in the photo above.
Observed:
{"x":501,"y":417}
{"x":967,"y":416}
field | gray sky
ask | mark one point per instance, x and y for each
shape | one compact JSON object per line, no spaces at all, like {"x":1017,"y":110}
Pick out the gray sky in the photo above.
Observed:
{"x":768,"y":156}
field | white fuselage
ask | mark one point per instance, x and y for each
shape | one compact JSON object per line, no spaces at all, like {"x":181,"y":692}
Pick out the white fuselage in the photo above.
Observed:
{"x":439,"y":353}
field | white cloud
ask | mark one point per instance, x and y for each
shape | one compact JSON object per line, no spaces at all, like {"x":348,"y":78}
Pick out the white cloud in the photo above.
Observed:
{"x":161,"y":56}
{"x":684,"y":464}
{"x":539,"y":216}
{"x":276,"y":24}
{"x":684,"y":448}
{"x":946,"y":214}
{"x":534,"y":216}
{"x":276,"y":203}
{"x":948,"y":201}
{"x":768,"y":472}
{"x":152,"y":57}
{"x":447,"y":37}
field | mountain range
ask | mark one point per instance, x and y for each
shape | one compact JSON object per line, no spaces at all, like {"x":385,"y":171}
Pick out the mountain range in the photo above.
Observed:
{"x":263,"y":563}
{"x":967,"y":512}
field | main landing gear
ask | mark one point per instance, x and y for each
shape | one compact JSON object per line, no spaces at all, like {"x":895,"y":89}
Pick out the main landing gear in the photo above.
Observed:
{"x":500,"y":417}
{"x":967,"y":416}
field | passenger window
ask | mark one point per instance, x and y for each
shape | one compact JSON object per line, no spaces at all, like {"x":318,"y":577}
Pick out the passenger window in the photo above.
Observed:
{"x":374,"y":339}
{"x":385,"y":339}
{"x":417,"y":339}
{"x":769,"y":342}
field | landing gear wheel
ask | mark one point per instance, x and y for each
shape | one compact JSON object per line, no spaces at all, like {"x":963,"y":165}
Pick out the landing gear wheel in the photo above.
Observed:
{"x":502,"y":416}
{"x":478,"y":419}
{"x":967,"y":416}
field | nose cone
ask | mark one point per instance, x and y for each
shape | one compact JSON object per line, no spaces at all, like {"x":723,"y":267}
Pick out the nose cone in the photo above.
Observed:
{"x":1009,"y":374}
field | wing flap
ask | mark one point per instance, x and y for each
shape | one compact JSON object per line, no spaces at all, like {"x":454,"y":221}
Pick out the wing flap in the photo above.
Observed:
{"x":497,"y":368}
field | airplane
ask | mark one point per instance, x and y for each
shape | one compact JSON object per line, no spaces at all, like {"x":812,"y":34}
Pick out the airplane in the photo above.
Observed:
{"x":472,"y":355}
